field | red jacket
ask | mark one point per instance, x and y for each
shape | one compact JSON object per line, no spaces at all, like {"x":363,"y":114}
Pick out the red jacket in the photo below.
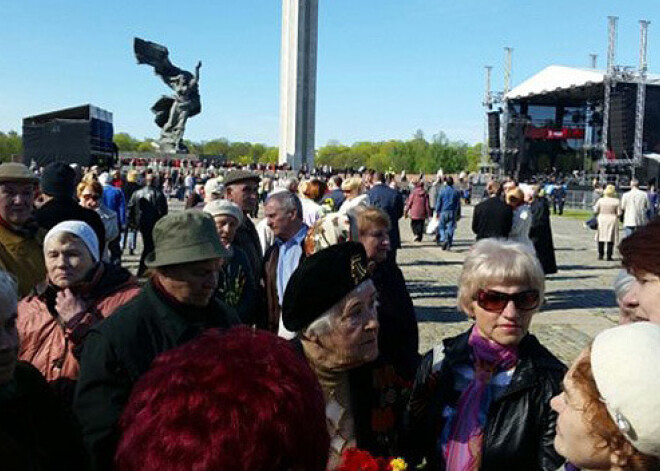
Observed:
{"x":47,"y":342}
{"x":418,"y":206}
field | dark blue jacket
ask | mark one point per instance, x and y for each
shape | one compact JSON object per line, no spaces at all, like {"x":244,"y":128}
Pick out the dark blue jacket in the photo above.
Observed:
{"x":390,"y":201}
{"x":113,"y":198}
{"x":449,"y":199}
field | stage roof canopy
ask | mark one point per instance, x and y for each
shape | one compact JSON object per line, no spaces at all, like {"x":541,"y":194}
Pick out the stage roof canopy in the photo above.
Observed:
{"x":568,"y":86}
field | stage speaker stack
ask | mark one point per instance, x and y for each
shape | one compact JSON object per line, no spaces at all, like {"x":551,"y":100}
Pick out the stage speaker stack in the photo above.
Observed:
{"x":622,"y":121}
{"x":494,"y":130}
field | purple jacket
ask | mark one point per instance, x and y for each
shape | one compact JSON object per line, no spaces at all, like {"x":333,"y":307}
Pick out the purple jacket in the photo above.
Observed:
{"x":418,"y":204}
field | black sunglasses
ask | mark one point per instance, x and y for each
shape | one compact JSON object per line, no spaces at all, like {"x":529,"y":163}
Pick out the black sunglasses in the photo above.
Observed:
{"x":495,"y":301}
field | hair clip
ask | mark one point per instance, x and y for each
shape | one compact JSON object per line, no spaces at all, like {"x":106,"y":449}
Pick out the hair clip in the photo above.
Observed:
{"x":619,"y":419}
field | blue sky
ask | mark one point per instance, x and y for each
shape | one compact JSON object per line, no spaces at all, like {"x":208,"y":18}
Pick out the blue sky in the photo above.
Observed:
{"x":385,"y":68}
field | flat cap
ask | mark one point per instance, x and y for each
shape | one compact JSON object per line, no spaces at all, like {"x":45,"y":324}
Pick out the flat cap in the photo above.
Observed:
{"x":239,"y":176}
{"x":16,"y":172}
{"x":321,"y":281}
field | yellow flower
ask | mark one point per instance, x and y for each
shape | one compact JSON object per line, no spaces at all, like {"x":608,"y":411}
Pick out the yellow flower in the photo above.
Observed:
{"x":398,"y":465}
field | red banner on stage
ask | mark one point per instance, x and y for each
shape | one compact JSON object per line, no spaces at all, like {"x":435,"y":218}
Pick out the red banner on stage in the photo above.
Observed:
{"x":550,"y":133}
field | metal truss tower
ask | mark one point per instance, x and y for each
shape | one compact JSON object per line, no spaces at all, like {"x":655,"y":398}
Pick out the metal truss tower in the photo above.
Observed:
{"x":641,"y":92}
{"x":508,"y":52}
{"x":488,"y":105}
{"x":594,"y":60}
{"x":609,"y":81}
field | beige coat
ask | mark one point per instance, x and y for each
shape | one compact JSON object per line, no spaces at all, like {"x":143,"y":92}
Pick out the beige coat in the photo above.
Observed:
{"x":608,"y":210}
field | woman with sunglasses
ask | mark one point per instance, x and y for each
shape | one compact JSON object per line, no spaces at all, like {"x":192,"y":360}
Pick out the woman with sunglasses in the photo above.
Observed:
{"x":481,"y":400}
{"x":90,"y":195}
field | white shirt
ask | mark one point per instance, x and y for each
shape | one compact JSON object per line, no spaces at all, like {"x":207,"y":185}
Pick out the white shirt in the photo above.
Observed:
{"x":287,"y":262}
{"x":634,"y":205}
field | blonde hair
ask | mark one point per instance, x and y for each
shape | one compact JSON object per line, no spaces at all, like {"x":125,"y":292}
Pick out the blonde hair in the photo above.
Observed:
{"x":498,"y":262}
{"x":94,"y":185}
{"x":610,"y":191}
{"x":515,"y":196}
{"x":352,"y":184}
{"x":371,"y":216}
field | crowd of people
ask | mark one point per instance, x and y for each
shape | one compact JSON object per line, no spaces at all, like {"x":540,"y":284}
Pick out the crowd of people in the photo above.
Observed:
{"x":291,"y":342}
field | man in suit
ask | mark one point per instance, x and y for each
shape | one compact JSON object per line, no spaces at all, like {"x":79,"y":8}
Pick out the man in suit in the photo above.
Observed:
{"x":492,"y":217}
{"x":389,"y":200}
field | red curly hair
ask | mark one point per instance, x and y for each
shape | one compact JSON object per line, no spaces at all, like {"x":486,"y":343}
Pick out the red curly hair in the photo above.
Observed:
{"x":242,"y":400}
{"x":602,"y":426}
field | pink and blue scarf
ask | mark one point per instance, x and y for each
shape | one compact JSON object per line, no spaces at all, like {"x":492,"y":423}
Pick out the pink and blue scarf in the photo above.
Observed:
{"x":464,"y":447}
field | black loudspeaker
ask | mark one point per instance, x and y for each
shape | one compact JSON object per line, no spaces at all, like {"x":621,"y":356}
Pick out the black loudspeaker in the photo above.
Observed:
{"x":494,"y":130}
{"x":622,"y":121}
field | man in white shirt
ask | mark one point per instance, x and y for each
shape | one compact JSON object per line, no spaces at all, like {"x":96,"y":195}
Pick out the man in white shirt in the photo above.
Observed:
{"x":634,"y":205}
{"x":283,"y":212}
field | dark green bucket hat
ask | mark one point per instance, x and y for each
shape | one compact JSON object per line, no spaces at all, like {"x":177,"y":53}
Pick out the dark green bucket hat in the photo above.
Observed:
{"x":185,"y":237}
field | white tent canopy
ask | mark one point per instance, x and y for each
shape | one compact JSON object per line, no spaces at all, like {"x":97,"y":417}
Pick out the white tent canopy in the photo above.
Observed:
{"x":556,"y":78}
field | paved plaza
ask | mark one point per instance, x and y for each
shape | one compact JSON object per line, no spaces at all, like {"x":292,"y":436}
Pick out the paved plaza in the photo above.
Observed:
{"x":579,"y":298}
{"x":580,"y":301}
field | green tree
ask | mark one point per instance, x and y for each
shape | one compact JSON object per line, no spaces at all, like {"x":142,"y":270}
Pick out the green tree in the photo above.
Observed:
{"x":11,"y":145}
{"x":216,"y":147}
{"x":271,"y":156}
{"x":125,"y":142}
{"x":146,"y":146}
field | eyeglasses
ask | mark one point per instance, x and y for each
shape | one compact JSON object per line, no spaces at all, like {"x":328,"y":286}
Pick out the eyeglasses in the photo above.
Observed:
{"x":495,"y":301}
{"x":91,"y":197}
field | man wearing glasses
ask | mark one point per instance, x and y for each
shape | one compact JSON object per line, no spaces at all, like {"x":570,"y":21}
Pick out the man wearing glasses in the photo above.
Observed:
{"x":20,"y":253}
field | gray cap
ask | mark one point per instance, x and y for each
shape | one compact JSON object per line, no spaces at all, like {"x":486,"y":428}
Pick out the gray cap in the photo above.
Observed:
{"x":239,"y":176}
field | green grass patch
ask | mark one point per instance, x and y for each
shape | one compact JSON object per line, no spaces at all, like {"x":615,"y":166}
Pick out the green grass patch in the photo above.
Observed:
{"x":582,"y":214}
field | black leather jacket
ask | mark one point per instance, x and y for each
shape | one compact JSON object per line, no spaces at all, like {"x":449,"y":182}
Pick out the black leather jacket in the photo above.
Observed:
{"x":146,"y":206}
{"x":520,"y":427}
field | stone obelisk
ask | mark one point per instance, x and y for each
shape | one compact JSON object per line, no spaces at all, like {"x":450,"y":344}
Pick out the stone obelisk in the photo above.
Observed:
{"x":298,"y":82}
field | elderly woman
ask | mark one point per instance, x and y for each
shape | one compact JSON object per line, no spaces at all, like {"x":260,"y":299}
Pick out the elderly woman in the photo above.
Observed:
{"x":35,"y":431}
{"x":211,"y":428}
{"x":640,"y":254}
{"x":481,"y":400}
{"x":330,"y":302}
{"x":353,"y":190}
{"x":608,"y":210}
{"x":398,"y":336}
{"x":625,"y":290}
{"x":609,"y":413}
{"x":78,"y":293}
{"x":90,"y":194}
{"x":236,"y":287}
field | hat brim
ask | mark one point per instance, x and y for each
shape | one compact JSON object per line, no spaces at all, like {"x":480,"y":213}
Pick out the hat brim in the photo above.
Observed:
{"x":189,"y":254}
{"x":7,"y":179}
{"x":243,"y":180}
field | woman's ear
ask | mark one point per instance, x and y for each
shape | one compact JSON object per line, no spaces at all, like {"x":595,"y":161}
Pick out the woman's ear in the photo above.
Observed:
{"x":467,"y":309}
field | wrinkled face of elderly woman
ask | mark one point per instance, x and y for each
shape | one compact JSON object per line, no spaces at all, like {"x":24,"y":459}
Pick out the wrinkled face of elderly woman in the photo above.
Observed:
{"x":8,"y":337}
{"x":352,"y":339}
{"x":68,"y":260}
